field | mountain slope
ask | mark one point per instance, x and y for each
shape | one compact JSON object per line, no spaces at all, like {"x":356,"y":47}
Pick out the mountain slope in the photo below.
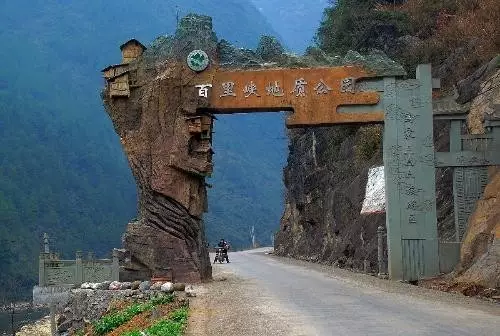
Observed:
{"x":62,"y":168}
{"x":295,"y":20}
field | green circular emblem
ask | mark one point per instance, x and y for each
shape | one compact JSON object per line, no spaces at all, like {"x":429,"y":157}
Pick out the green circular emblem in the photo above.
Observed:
{"x":197,"y":60}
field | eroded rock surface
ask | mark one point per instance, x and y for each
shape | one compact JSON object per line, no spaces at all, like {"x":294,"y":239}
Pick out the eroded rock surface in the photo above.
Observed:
{"x":480,"y":255}
{"x":168,"y":146}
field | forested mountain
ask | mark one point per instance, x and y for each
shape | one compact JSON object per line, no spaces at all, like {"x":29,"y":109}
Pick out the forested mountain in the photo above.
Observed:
{"x":296,"y":20}
{"x":62,"y":169}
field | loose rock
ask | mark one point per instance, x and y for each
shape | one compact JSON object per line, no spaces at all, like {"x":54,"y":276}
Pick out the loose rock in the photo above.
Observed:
{"x":145,"y":285}
{"x":126,"y":285}
{"x":156,"y":286}
{"x":136,"y":284}
{"x":179,"y":287}
{"x":190,"y":292}
{"x":115,"y":285}
{"x":167,"y":287}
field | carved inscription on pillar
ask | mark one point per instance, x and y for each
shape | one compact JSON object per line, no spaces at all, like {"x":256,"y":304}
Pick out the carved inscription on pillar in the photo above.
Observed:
{"x":410,"y":179}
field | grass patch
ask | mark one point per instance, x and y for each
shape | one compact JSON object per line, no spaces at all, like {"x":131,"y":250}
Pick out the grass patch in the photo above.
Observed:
{"x":174,"y":325}
{"x":109,"y":322}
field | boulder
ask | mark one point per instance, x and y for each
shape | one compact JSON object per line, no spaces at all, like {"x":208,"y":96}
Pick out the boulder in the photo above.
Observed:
{"x":480,"y":253}
{"x":103,"y":285}
{"x":156,"y":286}
{"x":86,"y":285}
{"x":115,"y":285}
{"x":145,"y":285}
{"x":179,"y":287}
{"x":167,"y":287}
{"x":126,"y":285}
{"x":135,"y":285}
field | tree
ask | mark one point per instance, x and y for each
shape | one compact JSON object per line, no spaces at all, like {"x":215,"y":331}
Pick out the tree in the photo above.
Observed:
{"x":360,"y":25}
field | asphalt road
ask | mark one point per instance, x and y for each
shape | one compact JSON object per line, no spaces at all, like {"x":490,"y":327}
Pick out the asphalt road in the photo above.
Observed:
{"x":333,"y":303}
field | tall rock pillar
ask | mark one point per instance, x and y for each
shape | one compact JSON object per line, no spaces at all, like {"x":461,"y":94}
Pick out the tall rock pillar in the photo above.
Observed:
{"x":156,"y":111}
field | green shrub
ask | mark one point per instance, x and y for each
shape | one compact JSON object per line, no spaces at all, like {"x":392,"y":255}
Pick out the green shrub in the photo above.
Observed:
{"x":180,"y":315}
{"x":112,"y":321}
{"x":173,"y":326}
{"x":162,"y":299}
{"x":368,"y":142}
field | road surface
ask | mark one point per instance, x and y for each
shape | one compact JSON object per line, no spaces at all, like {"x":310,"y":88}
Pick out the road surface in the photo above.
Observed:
{"x":309,"y":300}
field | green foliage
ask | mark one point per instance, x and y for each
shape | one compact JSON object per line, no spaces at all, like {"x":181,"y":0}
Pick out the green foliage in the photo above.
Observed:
{"x":270,"y":49}
{"x":356,"y":25}
{"x":368,"y":142}
{"x":245,"y":181}
{"x":162,"y":299}
{"x":110,"y":322}
{"x":180,"y":315}
{"x":62,"y":167}
{"x":113,"y":320}
{"x":173,"y":326}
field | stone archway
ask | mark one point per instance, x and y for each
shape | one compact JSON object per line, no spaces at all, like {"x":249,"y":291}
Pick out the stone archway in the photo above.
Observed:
{"x":162,"y":104}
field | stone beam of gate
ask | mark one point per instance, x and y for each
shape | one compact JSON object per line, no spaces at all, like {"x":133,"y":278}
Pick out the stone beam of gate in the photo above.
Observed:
{"x":317,"y":96}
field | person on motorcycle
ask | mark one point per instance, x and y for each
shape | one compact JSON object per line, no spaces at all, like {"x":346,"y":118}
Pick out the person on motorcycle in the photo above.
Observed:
{"x":222,"y":244}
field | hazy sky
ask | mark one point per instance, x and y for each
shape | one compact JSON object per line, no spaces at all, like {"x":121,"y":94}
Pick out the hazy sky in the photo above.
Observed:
{"x":295,"y":20}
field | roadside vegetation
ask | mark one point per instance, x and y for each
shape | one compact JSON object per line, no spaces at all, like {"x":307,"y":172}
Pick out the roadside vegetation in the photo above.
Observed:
{"x":163,"y":315}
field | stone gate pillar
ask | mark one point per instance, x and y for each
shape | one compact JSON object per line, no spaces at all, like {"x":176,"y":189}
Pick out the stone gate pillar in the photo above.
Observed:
{"x":410,"y":177}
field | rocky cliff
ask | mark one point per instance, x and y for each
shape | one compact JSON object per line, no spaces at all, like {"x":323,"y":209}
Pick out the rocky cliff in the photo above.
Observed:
{"x":480,"y":254}
{"x":326,"y":177}
{"x":325,"y":181}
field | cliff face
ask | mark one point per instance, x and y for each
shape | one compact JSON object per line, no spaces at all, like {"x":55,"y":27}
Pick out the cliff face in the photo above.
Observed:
{"x":480,"y":254}
{"x":325,"y":182}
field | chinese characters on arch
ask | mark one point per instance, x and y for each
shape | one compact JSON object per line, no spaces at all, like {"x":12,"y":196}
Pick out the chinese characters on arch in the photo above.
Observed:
{"x":301,"y":88}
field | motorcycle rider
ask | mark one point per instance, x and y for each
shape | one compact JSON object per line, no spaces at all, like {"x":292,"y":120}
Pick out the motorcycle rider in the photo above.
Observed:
{"x":222,"y":244}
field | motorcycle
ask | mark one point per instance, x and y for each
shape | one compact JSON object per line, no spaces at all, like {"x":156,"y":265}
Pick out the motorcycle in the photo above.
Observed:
{"x":220,"y":255}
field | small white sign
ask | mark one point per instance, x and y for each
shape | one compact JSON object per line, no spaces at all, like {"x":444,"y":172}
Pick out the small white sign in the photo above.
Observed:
{"x":374,"y":201}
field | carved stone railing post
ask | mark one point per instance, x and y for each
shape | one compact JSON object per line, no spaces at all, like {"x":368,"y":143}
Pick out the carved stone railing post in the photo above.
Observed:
{"x":41,"y":270}
{"x":382,"y":266}
{"x":79,"y":268}
{"x":46,"y":247}
{"x":115,"y":267}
